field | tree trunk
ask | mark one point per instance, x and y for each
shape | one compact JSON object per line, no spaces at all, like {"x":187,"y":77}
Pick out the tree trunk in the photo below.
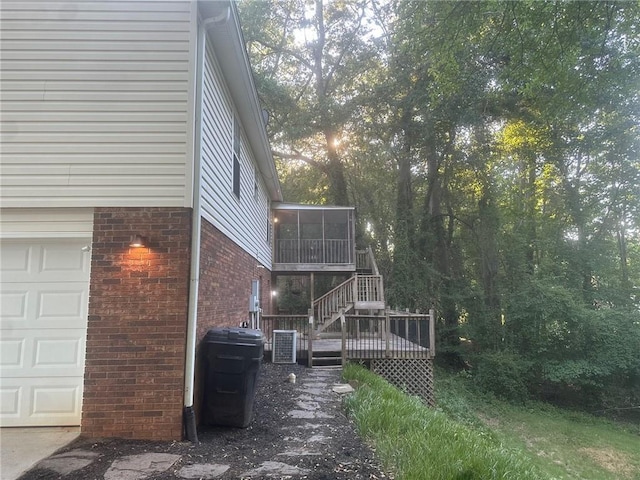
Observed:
{"x":436,"y":246}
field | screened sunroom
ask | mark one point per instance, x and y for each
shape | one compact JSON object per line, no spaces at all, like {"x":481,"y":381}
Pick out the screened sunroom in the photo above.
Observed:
{"x":313,"y":239}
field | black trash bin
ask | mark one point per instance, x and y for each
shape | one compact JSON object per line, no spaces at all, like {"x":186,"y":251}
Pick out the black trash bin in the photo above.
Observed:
{"x":233,"y":359}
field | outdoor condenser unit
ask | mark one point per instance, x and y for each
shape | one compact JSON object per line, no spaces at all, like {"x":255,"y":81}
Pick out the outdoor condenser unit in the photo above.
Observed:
{"x":284,"y":346}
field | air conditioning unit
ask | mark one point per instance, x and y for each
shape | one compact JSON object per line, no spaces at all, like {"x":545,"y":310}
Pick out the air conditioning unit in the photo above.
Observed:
{"x":284,"y":346}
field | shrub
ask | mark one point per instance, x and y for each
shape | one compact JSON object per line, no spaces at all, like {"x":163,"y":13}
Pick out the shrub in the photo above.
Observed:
{"x":504,"y":374}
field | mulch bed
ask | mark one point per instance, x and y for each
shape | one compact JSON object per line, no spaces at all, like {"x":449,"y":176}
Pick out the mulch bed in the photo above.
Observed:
{"x":343,"y":456}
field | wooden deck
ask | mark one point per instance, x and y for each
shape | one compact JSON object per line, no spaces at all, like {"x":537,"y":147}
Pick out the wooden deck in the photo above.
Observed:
{"x":363,"y":348}
{"x":404,"y":363}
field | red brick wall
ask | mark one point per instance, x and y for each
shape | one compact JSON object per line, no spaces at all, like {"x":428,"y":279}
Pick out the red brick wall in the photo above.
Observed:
{"x":134,"y":376}
{"x":226,"y":272}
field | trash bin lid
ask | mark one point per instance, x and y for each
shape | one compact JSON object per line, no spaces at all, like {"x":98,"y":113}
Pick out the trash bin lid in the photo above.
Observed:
{"x":234,"y":335}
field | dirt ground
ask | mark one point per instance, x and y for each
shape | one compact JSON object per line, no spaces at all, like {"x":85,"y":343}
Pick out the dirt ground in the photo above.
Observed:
{"x":298,"y":431}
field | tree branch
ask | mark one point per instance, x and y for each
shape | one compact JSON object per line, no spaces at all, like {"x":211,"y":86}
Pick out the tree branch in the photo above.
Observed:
{"x":298,"y":156}
{"x":285,"y":51}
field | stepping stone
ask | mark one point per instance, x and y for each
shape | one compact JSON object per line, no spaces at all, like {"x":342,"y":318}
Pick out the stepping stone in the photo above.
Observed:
{"x":317,"y":392}
{"x":305,"y":398}
{"x":203,"y":471}
{"x":343,"y":388}
{"x":275,"y":469}
{"x":308,"y":414}
{"x":316,"y":372}
{"x":308,"y":405}
{"x":137,"y":467}
{"x":305,"y":426}
{"x":318,"y":439}
{"x":65,"y":463}
{"x":307,"y":385}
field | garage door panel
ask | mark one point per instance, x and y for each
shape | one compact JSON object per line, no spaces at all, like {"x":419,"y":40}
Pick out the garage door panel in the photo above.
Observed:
{"x":43,"y":307}
{"x":61,"y":305}
{"x":16,"y":261}
{"x":67,"y":261}
{"x":12,"y":353}
{"x":59,"y":399}
{"x":46,"y":261}
{"x":13,"y":306}
{"x":49,"y":353}
{"x":10,"y":401}
{"x":41,"y":402}
{"x":57,"y":356}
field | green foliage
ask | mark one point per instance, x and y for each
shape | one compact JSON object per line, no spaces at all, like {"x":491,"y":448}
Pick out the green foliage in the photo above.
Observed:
{"x":599,"y":363}
{"x":416,"y":442}
{"x":491,"y":149}
{"x":506,"y":375}
{"x":562,"y":443}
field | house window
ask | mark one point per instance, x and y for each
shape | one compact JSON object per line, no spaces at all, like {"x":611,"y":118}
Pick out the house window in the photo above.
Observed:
{"x":255,"y":183}
{"x":268,"y":226}
{"x":236,"y":157}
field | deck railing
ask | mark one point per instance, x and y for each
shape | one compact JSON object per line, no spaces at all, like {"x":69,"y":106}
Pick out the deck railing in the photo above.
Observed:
{"x":390,"y":336}
{"x":369,"y":291}
{"x":361,"y":337}
{"x":365,"y":260}
{"x":300,"y":323}
{"x":312,"y":251}
{"x":340,"y":297}
{"x":359,"y":291}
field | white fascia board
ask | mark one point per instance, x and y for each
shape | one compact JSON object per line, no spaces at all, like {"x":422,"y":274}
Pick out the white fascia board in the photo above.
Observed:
{"x":222,"y":23}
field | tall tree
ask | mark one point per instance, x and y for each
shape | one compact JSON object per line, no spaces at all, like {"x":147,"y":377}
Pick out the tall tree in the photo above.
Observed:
{"x":492,"y":150}
{"x":310,"y":62}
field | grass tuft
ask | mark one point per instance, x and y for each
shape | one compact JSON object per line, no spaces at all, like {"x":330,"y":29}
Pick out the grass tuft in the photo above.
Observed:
{"x":416,"y":442}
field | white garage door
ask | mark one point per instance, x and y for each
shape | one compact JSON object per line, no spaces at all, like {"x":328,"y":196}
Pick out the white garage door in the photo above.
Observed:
{"x":43,"y":308}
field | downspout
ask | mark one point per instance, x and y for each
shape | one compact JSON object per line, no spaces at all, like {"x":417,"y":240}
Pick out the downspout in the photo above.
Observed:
{"x":192,"y":320}
{"x":191,"y":432}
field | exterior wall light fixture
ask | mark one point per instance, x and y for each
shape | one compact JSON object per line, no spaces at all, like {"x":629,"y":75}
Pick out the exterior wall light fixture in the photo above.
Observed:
{"x":139,"y":241}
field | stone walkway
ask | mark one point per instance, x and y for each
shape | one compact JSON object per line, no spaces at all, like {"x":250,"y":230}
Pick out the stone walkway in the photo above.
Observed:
{"x":309,"y":440}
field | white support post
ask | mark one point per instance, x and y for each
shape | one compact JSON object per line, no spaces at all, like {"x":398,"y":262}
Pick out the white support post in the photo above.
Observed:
{"x":432,"y":333}
{"x":311,"y":333}
{"x":344,"y":337}
{"x":387,"y":322}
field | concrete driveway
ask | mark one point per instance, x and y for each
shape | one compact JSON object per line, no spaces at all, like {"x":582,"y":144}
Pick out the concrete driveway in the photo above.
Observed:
{"x":22,"y":448}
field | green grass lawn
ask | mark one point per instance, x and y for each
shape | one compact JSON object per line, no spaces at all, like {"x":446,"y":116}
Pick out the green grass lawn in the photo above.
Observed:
{"x":568,"y":445}
{"x":473,"y":436}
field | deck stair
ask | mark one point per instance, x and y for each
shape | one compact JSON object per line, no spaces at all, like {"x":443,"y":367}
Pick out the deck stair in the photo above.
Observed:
{"x":360,"y":292}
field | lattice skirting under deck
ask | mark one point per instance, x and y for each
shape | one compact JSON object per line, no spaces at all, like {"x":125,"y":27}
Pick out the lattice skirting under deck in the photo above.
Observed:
{"x":413,"y":375}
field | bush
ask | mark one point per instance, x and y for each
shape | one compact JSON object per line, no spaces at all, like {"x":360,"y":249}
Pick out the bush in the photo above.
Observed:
{"x":504,"y":374}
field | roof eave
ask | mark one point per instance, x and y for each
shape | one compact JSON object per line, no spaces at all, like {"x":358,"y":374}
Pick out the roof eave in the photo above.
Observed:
{"x":222,"y":23}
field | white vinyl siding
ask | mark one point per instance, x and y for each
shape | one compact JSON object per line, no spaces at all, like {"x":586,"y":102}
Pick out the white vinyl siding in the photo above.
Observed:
{"x":244,"y":219}
{"x":97,"y":103}
{"x":46,"y":223}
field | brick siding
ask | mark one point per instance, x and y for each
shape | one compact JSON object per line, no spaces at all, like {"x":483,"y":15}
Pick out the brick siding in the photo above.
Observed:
{"x":226,"y":272}
{"x":138,"y":307}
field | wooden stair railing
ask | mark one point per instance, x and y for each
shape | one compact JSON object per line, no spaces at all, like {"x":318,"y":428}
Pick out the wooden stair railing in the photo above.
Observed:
{"x":360,"y":292}
{"x":366,"y":261}
{"x":327,"y":306}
